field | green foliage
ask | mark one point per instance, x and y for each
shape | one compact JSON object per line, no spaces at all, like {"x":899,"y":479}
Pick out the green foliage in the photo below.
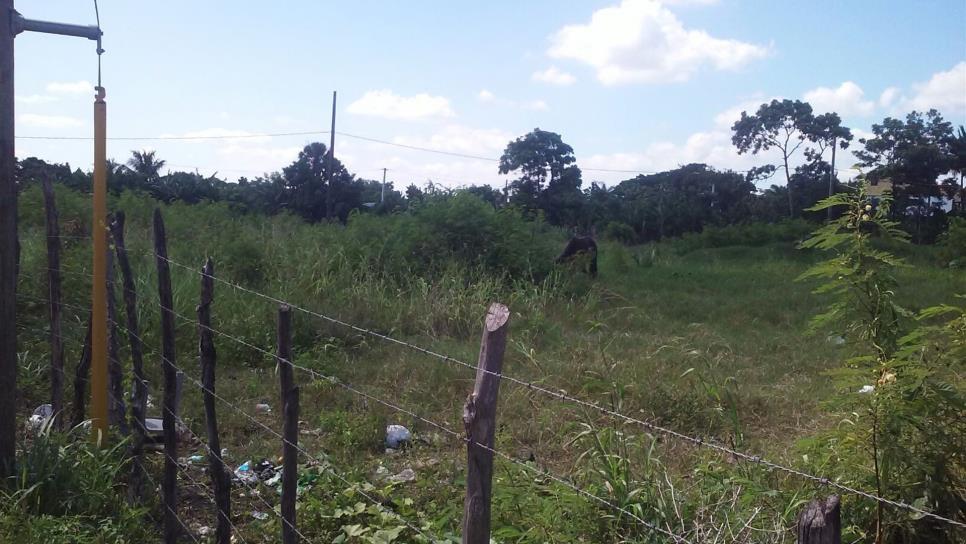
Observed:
{"x":901,"y":395}
{"x":750,"y":234}
{"x":67,"y":490}
{"x":953,"y":243}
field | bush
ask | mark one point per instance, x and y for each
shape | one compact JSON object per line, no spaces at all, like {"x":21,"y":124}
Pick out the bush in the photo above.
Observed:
{"x":749,"y":234}
{"x":953,"y":243}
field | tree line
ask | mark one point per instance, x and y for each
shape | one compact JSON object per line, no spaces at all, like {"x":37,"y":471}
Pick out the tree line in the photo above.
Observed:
{"x":920,"y":157}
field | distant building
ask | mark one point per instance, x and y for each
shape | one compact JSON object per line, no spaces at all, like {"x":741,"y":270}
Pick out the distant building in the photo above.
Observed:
{"x":876,"y":189}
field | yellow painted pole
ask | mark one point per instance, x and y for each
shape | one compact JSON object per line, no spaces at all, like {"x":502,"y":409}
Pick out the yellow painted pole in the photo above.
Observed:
{"x":99,"y":292}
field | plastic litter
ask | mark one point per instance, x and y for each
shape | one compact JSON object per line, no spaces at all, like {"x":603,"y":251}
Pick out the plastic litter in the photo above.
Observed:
{"x":407,"y":475}
{"x":245,"y":474}
{"x":866,"y":389}
{"x":263,"y":408}
{"x":836,"y":340}
{"x":259,"y":515}
{"x":397,"y":436}
{"x":40,"y":417}
{"x":196,"y":458}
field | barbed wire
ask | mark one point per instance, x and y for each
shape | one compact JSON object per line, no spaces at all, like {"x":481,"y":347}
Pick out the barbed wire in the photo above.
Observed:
{"x":711,"y":444}
{"x":336,"y":381}
{"x":251,"y":488}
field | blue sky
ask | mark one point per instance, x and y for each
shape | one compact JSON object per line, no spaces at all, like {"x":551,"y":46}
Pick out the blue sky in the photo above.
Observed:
{"x":636,"y":85}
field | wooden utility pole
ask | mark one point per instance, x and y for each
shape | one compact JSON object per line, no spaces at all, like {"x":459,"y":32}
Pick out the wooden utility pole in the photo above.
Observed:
{"x":479,"y":420}
{"x":329,"y":192}
{"x":8,"y":246}
{"x":382,"y":198}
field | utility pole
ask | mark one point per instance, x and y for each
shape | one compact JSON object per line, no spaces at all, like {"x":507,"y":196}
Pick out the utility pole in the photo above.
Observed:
{"x":11,"y":24}
{"x":8,"y":247}
{"x":329,"y":192}
{"x":831,"y":181}
{"x":382,"y":198}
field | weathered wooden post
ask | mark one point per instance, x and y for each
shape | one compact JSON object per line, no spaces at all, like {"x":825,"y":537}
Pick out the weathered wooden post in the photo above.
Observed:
{"x":479,"y":419}
{"x":169,"y":490}
{"x":117,"y":413}
{"x":220,"y":479}
{"x":139,"y":386}
{"x":54,"y":299}
{"x":82,"y":377}
{"x":289,"y":396}
{"x":820,"y":522}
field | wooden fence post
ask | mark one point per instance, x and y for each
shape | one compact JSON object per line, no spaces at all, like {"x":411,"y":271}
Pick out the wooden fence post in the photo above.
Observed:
{"x":289,"y":396}
{"x":139,"y":387}
{"x":169,"y":480}
{"x":479,"y":420}
{"x":54,"y":298}
{"x":82,"y":377}
{"x":220,"y":478}
{"x":115,"y":373}
{"x":820,"y":523}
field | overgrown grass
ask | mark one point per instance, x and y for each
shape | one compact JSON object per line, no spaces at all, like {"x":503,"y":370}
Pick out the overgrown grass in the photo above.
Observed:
{"x":708,"y":340}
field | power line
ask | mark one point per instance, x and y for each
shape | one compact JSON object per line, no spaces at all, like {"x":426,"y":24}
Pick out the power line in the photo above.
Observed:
{"x":197,"y":137}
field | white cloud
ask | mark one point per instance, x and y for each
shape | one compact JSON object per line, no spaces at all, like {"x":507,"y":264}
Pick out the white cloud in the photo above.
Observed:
{"x":554,"y":76}
{"x":384,"y":103}
{"x":641,"y":41}
{"x":48,"y":121}
{"x":846,"y":99}
{"x":535,"y":105}
{"x":461,"y":139}
{"x":35,"y":99}
{"x":945,"y":91}
{"x":71,"y":87}
{"x":888,"y":97}
{"x":485,"y":96}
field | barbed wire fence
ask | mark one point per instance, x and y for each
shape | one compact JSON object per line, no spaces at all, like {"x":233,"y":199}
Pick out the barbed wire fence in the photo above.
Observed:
{"x":475,"y":444}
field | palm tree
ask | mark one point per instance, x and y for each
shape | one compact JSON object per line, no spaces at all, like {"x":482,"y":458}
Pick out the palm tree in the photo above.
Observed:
{"x":146,"y":164}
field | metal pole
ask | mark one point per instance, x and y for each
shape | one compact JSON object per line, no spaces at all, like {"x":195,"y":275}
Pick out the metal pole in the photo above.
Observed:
{"x":329,"y":193}
{"x":99,"y":419}
{"x":382,"y":198}
{"x":8,"y":246}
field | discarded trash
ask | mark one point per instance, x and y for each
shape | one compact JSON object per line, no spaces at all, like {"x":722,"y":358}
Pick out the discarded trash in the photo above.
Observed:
{"x":196,"y":458}
{"x":263,"y":408}
{"x":407,"y":475}
{"x":397,"y":436}
{"x":259,"y":515}
{"x":264,"y":469}
{"x":835,"y":340}
{"x":244,"y":473}
{"x":204,"y":530}
{"x":224,"y":452}
{"x":274,"y":479}
{"x":866,"y":389}
{"x":40,"y":417}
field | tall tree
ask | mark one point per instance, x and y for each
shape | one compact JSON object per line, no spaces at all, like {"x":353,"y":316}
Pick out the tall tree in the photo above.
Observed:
{"x":957,"y":152}
{"x":549,"y":180}
{"x":786,"y":125}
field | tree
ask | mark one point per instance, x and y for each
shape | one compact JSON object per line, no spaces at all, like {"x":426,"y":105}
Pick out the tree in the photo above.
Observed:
{"x":912,"y":154}
{"x":305,"y":180}
{"x":787,"y":125}
{"x":146,"y":164}
{"x":549,"y":180}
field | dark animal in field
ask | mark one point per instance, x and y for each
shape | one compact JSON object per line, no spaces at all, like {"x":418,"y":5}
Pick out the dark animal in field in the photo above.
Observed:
{"x":581,"y":247}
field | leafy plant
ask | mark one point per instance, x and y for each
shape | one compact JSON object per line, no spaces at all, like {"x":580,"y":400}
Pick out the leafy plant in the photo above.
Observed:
{"x":901,"y":395}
